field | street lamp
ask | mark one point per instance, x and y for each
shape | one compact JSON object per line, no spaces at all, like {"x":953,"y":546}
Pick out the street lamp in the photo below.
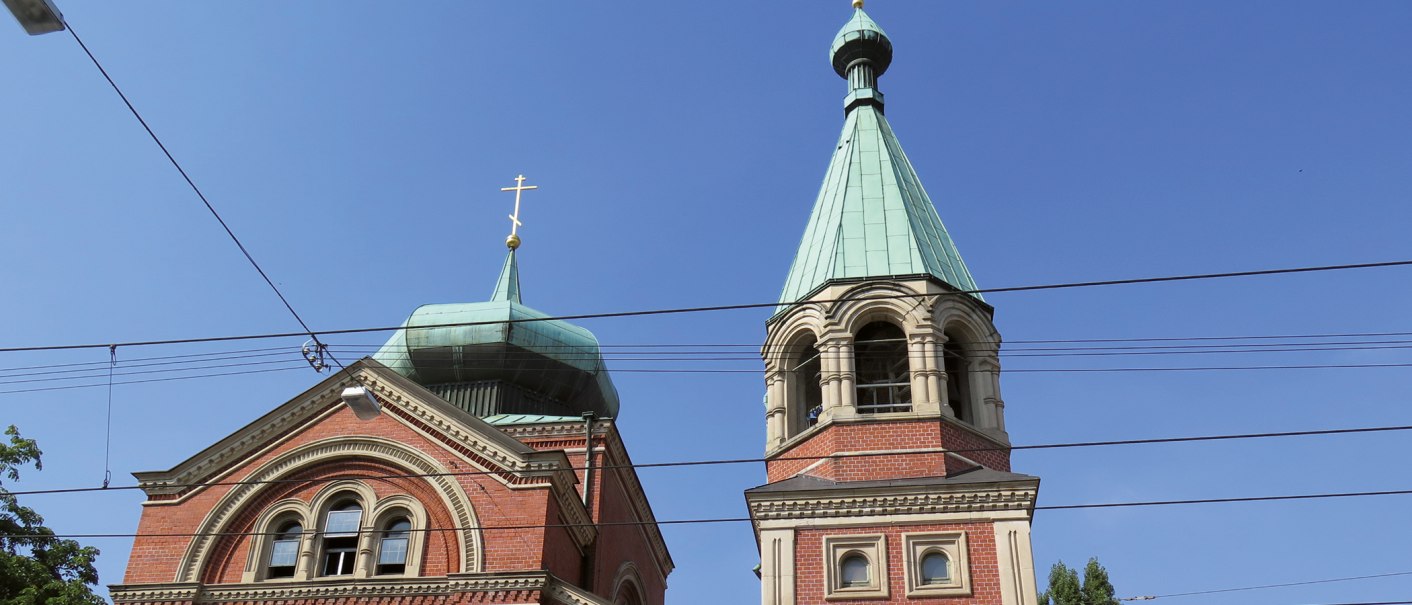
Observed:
{"x":37,"y":16}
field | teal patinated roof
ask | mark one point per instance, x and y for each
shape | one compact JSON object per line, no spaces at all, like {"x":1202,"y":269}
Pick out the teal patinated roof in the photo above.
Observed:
{"x":507,"y":287}
{"x":493,"y":341}
{"x":872,"y":218}
{"x":860,"y":28}
{"x":509,"y":419}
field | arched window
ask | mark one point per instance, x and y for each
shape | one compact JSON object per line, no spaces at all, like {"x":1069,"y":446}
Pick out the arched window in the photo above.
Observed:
{"x":936,"y":568}
{"x":392,"y":549}
{"x":806,"y":396}
{"x":958,"y":378}
{"x":341,"y":538}
{"x":884,"y":384}
{"x":284,"y":550}
{"x":854,"y":571}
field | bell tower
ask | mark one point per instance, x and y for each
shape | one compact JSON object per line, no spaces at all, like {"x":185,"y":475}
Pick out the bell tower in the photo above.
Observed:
{"x":887,"y":455}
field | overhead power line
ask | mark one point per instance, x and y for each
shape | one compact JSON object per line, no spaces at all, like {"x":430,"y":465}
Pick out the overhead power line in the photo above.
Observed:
{"x":729,"y":519}
{"x":1265,"y":586}
{"x":197,"y":190}
{"x":680,"y":310}
{"x":729,"y":461}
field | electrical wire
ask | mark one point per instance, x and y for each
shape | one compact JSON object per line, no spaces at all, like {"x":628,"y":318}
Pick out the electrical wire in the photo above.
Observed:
{"x":793,"y":458}
{"x":1264,"y":586}
{"x":1059,"y":507}
{"x":191,"y":183}
{"x":736,"y":307}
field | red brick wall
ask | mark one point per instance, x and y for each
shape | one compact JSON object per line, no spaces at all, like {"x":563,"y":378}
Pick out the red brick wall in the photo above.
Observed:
{"x":157,"y":559}
{"x":882,"y":436}
{"x":980,"y":542}
{"x":616,"y":544}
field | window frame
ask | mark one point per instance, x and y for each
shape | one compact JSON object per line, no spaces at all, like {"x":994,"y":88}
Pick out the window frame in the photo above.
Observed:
{"x":916,"y":546}
{"x":839,"y":548}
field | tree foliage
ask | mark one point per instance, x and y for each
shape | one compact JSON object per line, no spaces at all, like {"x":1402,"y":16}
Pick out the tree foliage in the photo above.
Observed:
{"x":36,"y":568}
{"x":1065,"y":588}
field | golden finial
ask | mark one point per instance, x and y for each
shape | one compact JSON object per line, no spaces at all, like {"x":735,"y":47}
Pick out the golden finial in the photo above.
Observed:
{"x":513,"y":241}
{"x":857,"y":3}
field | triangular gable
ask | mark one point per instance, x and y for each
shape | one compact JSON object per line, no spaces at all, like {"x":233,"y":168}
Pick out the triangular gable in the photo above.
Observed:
{"x":507,"y":459}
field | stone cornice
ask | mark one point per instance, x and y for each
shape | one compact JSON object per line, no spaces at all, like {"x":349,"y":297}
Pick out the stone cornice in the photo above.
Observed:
{"x":903,"y":500}
{"x":132,"y":594}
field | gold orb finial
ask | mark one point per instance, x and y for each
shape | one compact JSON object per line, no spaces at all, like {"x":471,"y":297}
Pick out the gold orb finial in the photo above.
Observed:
{"x":857,"y":3}
{"x":512,"y":242}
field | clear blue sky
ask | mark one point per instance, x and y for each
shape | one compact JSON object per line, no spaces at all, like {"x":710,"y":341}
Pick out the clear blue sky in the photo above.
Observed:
{"x":678,"y":146}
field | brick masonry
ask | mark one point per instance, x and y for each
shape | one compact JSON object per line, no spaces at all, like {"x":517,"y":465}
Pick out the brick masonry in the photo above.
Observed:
{"x":157,"y":558}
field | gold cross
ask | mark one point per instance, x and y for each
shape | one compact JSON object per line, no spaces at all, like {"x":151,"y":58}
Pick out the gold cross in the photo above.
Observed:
{"x":514,"y":240}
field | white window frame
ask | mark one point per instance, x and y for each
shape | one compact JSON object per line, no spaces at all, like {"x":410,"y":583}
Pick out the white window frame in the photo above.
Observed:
{"x":915,"y":546}
{"x":873,"y":547}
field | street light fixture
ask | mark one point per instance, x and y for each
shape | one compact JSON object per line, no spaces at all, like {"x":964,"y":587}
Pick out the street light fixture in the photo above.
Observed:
{"x":37,"y":16}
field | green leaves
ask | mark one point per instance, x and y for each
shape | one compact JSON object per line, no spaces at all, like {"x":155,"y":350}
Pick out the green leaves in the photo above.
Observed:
{"x":35,"y":567}
{"x":1065,"y":589}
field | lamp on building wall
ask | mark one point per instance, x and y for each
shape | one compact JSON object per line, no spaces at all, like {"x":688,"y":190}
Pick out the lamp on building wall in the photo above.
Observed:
{"x":36,"y":16}
{"x":362,"y":401}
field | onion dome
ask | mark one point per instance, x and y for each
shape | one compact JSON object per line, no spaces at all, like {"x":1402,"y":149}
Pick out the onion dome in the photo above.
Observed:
{"x":861,"y":40}
{"x":502,"y":357}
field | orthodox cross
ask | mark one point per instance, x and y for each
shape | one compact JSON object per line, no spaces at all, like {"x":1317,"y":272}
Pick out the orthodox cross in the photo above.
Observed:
{"x":514,"y":240}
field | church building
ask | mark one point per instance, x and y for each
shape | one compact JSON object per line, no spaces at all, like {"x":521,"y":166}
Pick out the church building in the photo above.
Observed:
{"x":475,"y":457}
{"x":888,"y":464}
{"x":489,"y":471}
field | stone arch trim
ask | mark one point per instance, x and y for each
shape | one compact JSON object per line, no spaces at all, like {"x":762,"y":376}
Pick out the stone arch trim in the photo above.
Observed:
{"x":857,"y":310}
{"x":806,"y":318}
{"x":233,"y":503}
{"x":951,"y":313}
{"x":628,"y":578}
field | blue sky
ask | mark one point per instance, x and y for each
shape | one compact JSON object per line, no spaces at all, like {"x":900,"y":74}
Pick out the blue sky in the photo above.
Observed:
{"x":359,"y":152}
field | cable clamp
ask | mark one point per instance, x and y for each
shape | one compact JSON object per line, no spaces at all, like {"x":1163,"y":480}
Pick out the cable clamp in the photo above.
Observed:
{"x":314,"y":353}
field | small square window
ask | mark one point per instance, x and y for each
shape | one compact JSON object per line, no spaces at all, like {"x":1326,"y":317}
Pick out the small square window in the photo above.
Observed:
{"x":855,"y":567}
{"x":936,"y":564}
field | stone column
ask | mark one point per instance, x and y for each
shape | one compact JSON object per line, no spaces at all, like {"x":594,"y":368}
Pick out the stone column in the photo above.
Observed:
{"x":777,"y":415}
{"x":847,"y":388}
{"x":777,"y":567}
{"x":830,"y":376}
{"x":917,"y":371}
{"x":1016,"y":558}
{"x":304,"y":569}
{"x":934,"y":370}
{"x":987,"y":385}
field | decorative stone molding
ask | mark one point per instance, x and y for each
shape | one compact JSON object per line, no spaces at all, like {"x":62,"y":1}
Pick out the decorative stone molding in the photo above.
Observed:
{"x":391,"y":452}
{"x":355,"y":588}
{"x":568,"y":594}
{"x":876,"y":503}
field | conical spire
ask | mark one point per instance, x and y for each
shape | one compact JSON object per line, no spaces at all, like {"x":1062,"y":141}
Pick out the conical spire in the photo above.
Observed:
{"x":507,"y":286}
{"x":872,"y":218}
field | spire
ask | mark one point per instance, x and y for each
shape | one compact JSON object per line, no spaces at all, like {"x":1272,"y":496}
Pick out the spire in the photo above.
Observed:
{"x":507,"y":286}
{"x":872,"y":219}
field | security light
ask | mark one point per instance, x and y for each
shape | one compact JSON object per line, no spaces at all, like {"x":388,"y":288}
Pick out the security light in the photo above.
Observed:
{"x":37,"y":16}
{"x":363,"y":403}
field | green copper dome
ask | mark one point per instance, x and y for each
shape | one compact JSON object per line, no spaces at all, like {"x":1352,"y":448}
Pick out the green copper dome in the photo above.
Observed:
{"x":872,"y":218}
{"x":502,"y":357}
{"x":860,"y":38}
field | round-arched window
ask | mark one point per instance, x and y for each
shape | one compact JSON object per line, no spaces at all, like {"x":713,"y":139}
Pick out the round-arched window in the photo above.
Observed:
{"x":880,"y":362}
{"x":284,"y":550}
{"x":341,"y":529}
{"x":936,"y":568}
{"x":392,"y":551}
{"x":854,"y":571}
